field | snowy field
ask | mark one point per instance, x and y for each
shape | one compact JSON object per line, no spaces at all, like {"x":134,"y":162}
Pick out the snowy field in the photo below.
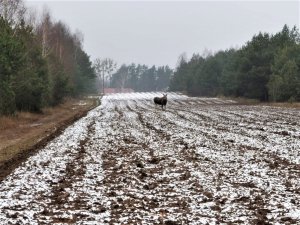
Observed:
{"x":200,"y":161}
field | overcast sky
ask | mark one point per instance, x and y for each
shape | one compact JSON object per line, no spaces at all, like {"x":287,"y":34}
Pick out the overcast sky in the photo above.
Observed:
{"x":157,"y":32}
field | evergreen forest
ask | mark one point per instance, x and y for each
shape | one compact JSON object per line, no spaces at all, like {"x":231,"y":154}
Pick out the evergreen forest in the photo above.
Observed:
{"x":142,"y":78}
{"x":41,"y":61}
{"x":266,"y":68}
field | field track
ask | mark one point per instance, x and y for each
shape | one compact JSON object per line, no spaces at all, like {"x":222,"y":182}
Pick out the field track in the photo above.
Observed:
{"x":200,"y":161}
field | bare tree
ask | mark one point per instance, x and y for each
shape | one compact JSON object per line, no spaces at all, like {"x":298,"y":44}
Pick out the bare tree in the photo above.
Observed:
{"x":104,"y":68}
{"x":207,"y":53}
{"x":182,"y":58}
{"x":45,"y":26}
{"x":31,"y":17}
{"x":123,"y":76}
{"x":12,"y":11}
{"x":78,"y":40}
{"x":109,"y":66}
{"x":99,"y":72}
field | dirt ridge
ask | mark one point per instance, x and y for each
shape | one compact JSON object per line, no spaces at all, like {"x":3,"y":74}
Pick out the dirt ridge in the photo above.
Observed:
{"x":8,"y":166}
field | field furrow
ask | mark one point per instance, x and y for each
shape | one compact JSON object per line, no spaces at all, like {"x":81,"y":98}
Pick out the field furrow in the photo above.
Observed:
{"x":199,"y":161}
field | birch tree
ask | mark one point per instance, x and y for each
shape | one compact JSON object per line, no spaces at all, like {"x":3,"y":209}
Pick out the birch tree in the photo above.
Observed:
{"x":13,"y":11}
{"x":104,"y":68}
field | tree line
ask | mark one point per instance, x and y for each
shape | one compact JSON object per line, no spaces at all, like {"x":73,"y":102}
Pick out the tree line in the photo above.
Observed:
{"x":141,"y":77}
{"x":266,"y":68}
{"x":40,"y":62}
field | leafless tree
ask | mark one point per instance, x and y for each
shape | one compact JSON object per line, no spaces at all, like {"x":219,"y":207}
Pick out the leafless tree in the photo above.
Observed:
{"x":104,"y":68}
{"x":13,"y":11}
{"x":31,"y":17}
{"x":45,"y":28}
{"x":78,"y":40}
{"x":182,"y":58}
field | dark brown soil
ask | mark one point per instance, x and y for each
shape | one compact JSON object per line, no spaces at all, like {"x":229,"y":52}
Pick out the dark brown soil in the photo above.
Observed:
{"x":9,"y":165}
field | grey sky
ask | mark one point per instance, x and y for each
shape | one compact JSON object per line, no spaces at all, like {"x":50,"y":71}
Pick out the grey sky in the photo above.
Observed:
{"x":157,"y":32}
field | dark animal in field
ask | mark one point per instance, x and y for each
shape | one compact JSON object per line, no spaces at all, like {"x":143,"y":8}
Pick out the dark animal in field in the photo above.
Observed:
{"x":161,"y":101}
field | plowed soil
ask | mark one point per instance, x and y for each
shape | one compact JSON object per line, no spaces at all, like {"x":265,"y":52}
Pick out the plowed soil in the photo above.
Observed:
{"x":200,"y":161}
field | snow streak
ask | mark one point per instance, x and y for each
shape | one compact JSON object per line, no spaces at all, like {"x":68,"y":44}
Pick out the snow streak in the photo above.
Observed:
{"x":200,"y":161}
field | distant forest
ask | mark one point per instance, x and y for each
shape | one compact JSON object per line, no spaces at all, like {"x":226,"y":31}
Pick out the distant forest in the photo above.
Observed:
{"x":41,"y":61}
{"x":142,"y":78}
{"x":266,"y":68}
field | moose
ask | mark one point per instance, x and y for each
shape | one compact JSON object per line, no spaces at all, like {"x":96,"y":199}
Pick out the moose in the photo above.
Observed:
{"x":161,"y":101}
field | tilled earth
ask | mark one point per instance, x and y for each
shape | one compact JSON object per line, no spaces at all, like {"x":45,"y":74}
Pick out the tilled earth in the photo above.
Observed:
{"x":200,"y":161}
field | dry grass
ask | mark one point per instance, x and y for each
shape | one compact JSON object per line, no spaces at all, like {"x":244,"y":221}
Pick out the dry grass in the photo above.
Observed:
{"x":246,"y":101}
{"x":283,"y":104}
{"x":25,"y":129}
{"x":7,"y":122}
{"x":11,"y":122}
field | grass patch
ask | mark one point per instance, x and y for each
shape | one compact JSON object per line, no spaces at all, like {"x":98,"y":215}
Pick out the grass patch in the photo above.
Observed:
{"x":247,"y":101}
{"x":283,"y":104}
{"x":7,"y":122}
